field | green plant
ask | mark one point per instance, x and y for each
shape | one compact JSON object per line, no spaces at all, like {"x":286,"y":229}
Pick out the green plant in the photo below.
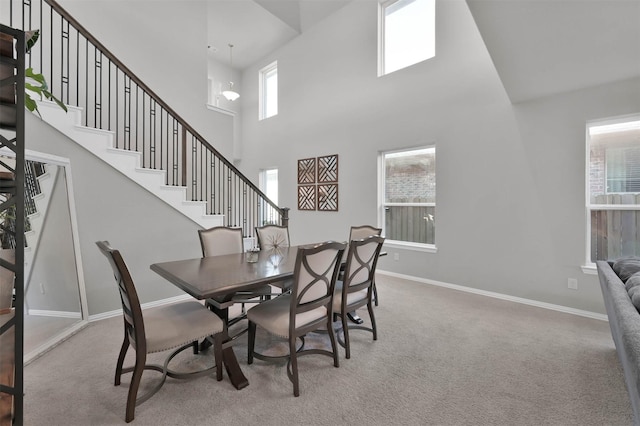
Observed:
{"x":35,"y":82}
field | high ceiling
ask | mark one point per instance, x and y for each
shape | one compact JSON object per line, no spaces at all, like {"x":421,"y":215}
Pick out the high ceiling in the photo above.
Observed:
{"x":542,"y":47}
{"x":539,"y":47}
{"x":257,"y":27}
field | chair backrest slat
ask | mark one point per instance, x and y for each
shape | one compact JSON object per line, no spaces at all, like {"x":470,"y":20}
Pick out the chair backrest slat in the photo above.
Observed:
{"x":314,"y":277}
{"x":361,"y":262}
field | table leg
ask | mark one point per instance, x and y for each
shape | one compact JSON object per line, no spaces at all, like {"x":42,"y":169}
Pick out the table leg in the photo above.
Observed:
{"x":236,"y":376}
{"x":354,"y":317}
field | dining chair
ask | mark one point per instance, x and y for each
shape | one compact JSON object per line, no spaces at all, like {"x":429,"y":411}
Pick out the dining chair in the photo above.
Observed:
{"x":307,"y":308}
{"x":274,"y":237}
{"x":218,"y":241}
{"x":364,"y":231}
{"x":179,"y":325}
{"x":355,"y":290}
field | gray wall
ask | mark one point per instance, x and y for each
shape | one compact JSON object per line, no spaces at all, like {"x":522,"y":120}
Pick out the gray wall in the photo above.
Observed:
{"x":110,"y":207}
{"x":510,"y":214}
{"x":165,"y":44}
{"x":510,"y":202}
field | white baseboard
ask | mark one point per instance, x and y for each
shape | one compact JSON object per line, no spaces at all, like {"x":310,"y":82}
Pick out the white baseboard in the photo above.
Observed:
{"x":529,"y":302}
{"x":550,"y":306}
{"x":118,"y":312}
{"x":57,"y":314}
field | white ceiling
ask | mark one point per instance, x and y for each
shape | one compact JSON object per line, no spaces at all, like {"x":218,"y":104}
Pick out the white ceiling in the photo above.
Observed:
{"x":539,"y":47}
{"x":257,"y":27}
{"x":542,"y":47}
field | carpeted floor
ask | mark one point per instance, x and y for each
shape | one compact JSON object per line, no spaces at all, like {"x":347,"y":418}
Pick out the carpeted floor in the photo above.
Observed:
{"x":443,"y":357}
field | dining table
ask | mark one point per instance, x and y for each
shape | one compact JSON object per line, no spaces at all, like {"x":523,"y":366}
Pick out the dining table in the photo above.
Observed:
{"x":222,"y":276}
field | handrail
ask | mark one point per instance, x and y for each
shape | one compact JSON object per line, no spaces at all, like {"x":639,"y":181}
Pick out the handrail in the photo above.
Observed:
{"x":82,"y":30}
{"x":142,"y":121}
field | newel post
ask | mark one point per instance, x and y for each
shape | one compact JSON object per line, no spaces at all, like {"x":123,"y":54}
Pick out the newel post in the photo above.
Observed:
{"x":285,"y":216}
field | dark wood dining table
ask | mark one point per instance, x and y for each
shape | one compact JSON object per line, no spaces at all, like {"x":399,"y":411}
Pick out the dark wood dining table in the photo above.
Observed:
{"x":215,"y":276}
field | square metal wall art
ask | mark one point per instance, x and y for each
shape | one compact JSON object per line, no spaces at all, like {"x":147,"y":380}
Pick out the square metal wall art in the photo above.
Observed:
{"x":306,"y":197}
{"x":328,"y":169}
{"x":318,"y":183}
{"x":306,"y":171}
{"x":328,"y":197}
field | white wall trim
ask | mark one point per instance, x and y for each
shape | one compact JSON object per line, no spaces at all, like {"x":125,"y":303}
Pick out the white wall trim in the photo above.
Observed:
{"x":57,"y":314}
{"x":118,"y":312}
{"x":221,"y":110}
{"x":550,"y":306}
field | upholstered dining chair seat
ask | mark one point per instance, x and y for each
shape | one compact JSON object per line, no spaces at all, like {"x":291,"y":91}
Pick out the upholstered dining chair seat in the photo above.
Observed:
{"x":176,"y":327}
{"x":172,"y":326}
{"x":351,"y":297}
{"x":273,"y":315}
{"x":356,"y":288}
{"x":305,"y":309}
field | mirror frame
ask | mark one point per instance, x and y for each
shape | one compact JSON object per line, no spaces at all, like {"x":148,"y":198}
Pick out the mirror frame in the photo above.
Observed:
{"x":65,"y":165}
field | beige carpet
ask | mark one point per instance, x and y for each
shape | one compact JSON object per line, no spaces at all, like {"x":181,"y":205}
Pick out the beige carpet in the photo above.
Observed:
{"x":443,"y":357}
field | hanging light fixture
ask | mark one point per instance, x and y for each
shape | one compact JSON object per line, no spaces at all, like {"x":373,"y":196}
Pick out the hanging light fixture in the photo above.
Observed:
{"x":230,"y":94}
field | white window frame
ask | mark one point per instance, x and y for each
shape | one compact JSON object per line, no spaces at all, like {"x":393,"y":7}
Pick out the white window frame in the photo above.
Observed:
{"x":263,"y":179}
{"x":589,"y":266}
{"x":264,"y":94}
{"x":382,"y":36}
{"x":382,"y":204}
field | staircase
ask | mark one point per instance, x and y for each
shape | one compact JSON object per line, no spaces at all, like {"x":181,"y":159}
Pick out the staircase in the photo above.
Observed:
{"x":100,"y":143}
{"x":46,"y":183}
{"x":121,"y":120}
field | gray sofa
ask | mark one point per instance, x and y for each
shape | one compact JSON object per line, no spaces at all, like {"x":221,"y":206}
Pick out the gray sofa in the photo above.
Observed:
{"x":620,"y":283}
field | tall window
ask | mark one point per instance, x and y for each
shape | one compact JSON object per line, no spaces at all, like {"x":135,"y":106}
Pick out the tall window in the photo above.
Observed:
{"x":408,"y":194}
{"x":268,"y":184}
{"x":613,"y":189}
{"x":406,"y":33}
{"x":268,"y":101}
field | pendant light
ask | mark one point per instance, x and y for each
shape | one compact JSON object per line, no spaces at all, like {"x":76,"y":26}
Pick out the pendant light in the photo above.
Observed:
{"x":231,"y":94}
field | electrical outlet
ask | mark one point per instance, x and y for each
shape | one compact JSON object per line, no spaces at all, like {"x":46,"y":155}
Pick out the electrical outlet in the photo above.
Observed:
{"x":572,"y":283}
{"x":396,"y":256}
{"x":42,"y":288}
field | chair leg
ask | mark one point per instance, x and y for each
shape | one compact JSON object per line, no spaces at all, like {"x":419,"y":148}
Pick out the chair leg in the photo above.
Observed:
{"x":251,"y":342}
{"x":373,"y":321}
{"x":334,"y":345}
{"x":345,"y":332}
{"x":375,"y":292}
{"x":293,"y":359}
{"x":123,"y":352}
{"x":141,"y":359}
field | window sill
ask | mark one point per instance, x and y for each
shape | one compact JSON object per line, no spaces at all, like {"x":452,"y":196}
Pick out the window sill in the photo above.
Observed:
{"x":589,"y":269}
{"x":427,"y":248}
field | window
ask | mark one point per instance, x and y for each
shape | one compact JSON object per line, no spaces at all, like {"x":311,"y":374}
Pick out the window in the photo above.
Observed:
{"x":613,"y":189}
{"x":268,"y":86}
{"x":406,"y":33}
{"x":408,"y":194}
{"x":268,"y":183}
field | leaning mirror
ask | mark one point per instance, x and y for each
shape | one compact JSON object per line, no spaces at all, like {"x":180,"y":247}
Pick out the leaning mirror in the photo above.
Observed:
{"x":55,"y":298}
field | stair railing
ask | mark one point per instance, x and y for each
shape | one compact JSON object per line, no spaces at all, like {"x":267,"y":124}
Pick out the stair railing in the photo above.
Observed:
{"x":81,"y":71}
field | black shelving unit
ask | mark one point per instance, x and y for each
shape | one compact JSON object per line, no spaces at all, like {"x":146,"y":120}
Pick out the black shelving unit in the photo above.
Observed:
{"x":12,"y":177}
